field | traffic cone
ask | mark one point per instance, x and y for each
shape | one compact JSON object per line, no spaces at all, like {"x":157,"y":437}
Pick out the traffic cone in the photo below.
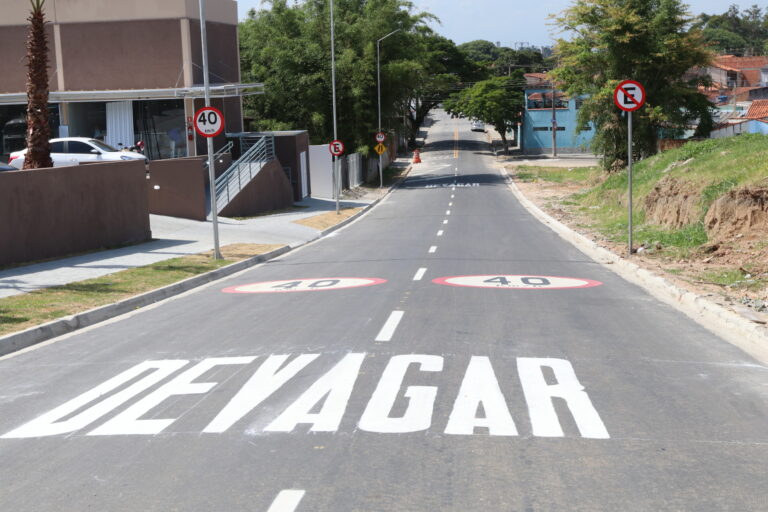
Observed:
{"x":416,"y":157}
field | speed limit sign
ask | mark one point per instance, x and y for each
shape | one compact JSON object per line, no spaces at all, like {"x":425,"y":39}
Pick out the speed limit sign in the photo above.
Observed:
{"x":381,"y":137}
{"x":209,"y":122}
{"x":336,"y":147}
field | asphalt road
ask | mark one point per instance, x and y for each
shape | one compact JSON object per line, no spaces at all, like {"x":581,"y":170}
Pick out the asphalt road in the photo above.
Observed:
{"x":546,"y":384}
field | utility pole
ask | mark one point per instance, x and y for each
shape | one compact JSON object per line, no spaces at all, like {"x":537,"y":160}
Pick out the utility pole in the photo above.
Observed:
{"x":211,"y":170}
{"x":336,"y":174}
{"x":554,"y":122}
{"x":378,"y":85}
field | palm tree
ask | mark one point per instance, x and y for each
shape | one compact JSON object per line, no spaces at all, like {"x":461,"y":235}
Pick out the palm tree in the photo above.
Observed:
{"x":38,"y":129}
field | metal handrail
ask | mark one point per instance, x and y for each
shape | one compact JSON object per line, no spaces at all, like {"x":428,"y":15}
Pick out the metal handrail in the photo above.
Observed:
{"x":226,"y":149}
{"x":242,"y":171}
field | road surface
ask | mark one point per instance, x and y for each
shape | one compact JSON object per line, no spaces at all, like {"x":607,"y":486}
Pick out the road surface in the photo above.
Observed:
{"x":446,"y":352}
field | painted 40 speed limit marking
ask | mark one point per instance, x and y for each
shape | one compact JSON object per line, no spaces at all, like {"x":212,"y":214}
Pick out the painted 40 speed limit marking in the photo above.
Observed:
{"x":517,"y":282}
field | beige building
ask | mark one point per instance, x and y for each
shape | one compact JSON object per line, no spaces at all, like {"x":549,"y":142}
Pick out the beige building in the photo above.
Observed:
{"x":124,"y":71}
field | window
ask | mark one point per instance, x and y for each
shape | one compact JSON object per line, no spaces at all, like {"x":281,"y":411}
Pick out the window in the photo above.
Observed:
{"x":57,"y":147}
{"x":104,"y":147}
{"x":79,"y":147}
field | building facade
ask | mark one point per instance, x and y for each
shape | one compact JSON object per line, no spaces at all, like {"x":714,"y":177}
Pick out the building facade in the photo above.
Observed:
{"x":538,"y":123}
{"x":125,"y":71}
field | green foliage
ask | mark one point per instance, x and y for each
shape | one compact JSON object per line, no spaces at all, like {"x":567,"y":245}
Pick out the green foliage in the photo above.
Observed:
{"x":287,"y":47}
{"x":646,"y":40}
{"x":736,"y":32}
{"x":492,"y":60}
{"x":722,"y":40}
{"x":495,"y":101}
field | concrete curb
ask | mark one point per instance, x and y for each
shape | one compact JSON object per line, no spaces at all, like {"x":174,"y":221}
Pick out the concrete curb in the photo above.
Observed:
{"x":20,"y":340}
{"x":732,"y":327}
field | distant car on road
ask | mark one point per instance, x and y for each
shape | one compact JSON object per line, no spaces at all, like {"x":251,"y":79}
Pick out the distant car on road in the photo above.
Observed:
{"x":74,"y":150}
{"x":478,"y":126}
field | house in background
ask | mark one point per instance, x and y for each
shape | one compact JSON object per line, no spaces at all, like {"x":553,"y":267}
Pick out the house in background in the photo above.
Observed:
{"x":536,"y":138}
{"x":124,"y":71}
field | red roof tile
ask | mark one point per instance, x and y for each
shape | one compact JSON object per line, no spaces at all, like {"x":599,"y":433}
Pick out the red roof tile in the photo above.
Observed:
{"x":758,"y":110}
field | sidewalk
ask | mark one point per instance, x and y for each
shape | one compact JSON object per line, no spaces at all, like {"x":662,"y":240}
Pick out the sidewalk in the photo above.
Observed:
{"x":172,"y":238}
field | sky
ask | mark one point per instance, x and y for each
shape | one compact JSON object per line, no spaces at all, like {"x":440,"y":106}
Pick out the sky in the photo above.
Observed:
{"x":505,"y":21}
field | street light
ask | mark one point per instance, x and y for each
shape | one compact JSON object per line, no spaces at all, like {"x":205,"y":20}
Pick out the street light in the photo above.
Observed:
{"x":378,"y":85}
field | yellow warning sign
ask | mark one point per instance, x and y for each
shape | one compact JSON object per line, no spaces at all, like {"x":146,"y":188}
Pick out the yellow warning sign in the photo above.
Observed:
{"x":380,"y":148}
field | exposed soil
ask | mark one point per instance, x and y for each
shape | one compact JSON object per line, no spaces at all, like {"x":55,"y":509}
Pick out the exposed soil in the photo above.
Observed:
{"x":329,"y":219}
{"x":672,"y":203}
{"x":739,"y":212}
{"x":740,"y":247}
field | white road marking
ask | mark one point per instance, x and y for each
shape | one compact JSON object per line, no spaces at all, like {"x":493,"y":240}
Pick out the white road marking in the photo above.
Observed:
{"x":386,"y":332}
{"x":480,"y":407}
{"x":287,"y":500}
{"x":445,"y":221}
{"x":440,"y":233}
{"x":453,"y":195}
{"x":450,"y":204}
{"x":447,"y":212}
{"x":419,"y":274}
{"x":432,"y":249}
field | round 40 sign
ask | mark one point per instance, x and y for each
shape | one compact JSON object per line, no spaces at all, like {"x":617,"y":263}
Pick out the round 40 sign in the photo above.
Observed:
{"x":209,"y":122}
{"x":517,"y":282}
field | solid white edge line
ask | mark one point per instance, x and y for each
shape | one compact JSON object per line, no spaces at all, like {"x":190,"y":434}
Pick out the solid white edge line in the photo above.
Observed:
{"x":419,"y":274}
{"x":388,"y":330}
{"x":432,"y":249}
{"x":726,"y":324}
{"x":287,"y":500}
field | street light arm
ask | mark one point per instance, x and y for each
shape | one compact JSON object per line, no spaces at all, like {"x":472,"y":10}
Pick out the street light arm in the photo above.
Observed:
{"x":386,"y":36}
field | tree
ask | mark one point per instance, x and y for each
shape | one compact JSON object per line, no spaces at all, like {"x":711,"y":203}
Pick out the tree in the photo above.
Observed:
{"x":287,"y":46}
{"x":38,"y":130}
{"x":723,"y":40}
{"x":648,"y":41}
{"x":496,"y":101}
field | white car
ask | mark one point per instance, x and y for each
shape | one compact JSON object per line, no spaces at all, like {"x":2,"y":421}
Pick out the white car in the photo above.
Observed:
{"x":478,"y":126}
{"x":73,"y":150}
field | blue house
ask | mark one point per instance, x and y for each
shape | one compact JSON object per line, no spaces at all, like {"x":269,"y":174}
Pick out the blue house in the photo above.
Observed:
{"x":537,"y":125}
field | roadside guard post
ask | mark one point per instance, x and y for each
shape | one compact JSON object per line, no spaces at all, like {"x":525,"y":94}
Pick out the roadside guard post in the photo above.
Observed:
{"x":629,"y":96}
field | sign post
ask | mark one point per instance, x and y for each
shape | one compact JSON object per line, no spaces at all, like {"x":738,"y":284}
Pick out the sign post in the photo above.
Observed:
{"x":336,"y":147}
{"x":211,"y":172}
{"x":629,"y":96}
{"x":380,"y":148}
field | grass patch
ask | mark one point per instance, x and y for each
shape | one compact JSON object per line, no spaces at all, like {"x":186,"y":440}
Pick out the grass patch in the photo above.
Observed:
{"x":29,"y":309}
{"x":533,"y":173}
{"x":734,"y":279}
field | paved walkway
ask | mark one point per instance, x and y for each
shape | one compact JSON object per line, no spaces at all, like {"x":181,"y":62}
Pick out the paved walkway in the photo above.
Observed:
{"x":172,"y":237}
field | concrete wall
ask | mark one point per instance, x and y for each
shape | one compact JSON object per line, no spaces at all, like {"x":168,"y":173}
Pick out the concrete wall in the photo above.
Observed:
{"x":177,"y":188}
{"x":288,"y":148}
{"x":322,"y":171}
{"x":13,"y":78}
{"x":54,"y":212}
{"x":269,"y":190}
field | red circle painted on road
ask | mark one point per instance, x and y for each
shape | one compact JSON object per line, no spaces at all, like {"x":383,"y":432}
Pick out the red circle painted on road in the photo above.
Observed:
{"x":517,"y":282}
{"x":306,"y":284}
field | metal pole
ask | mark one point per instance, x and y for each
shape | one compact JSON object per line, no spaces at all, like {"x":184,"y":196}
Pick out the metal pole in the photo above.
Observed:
{"x":629,"y":175}
{"x":378,"y":87}
{"x":554,"y":123}
{"x":211,"y":171}
{"x":336,"y":176}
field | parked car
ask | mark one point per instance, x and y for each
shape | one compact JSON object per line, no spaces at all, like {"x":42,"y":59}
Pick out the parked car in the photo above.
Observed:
{"x":478,"y":126}
{"x":6,"y":167}
{"x":74,"y":150}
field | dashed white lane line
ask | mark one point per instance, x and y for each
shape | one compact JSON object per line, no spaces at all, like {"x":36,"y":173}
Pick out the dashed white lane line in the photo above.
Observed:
{"x":445,"y":221}
{"x":453,"y":195}
{"x":386,"y":332}
{"x":440,"y":233}
{"x":419,"y":274}
{"x":432,"y":249}
{"x":287,"y":500}
{"x":447,"y":212}
{"x":450,"y":204}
